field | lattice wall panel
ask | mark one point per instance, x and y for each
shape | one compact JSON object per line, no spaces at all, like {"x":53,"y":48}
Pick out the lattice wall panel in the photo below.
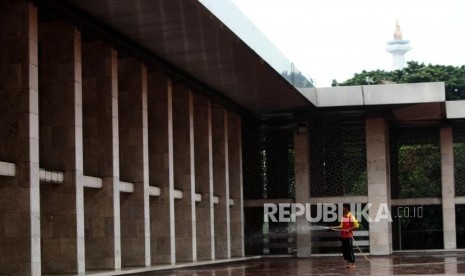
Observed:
{"x":337,"y":161}
{"x":278,"y":162}
{"x":268,"y":163}
{"x":415,"y":162}
{"x":459,"y":160}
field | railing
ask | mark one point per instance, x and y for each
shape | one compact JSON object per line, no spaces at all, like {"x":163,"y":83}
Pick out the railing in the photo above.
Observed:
{"x":329,"y":242}
{"x":283,"y":243}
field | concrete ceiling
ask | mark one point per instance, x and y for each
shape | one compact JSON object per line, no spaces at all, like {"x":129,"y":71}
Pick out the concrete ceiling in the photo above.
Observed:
{"x":184,"y":34}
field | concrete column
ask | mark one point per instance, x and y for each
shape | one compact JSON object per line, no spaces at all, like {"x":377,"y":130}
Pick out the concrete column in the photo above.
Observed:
{"x":204,"y":178}
{"x":448,"y":188}
{"x":19,"y":140}
{"x":133,"y":146}
{"x":161,"y":169}
{"x":184,"y":174}
{"x":62,"y":205}
{"x":302,"y":188}
{"x":451,"y":266}
{"x":379,"y":194}
{"x":221,"y":182}
{"x":101,"y":156}
{"x":235,"y":185}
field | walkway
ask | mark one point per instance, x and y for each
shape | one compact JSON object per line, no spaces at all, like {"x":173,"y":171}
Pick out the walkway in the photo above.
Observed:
{"x":401,"y":264}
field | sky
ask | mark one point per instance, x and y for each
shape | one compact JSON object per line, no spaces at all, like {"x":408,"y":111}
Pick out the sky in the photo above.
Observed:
{"x":333,"y":39}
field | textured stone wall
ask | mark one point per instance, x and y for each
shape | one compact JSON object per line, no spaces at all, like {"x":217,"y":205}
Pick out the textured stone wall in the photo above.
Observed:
{"x":235,"y":184}
{"x":103,"y":122}
{"x":183,"y":160}
{"x":133,"y":148}
{"x":101,"y":155}
{"x":204,"y":178}
{"x":221,"y":182}
{"x":61,"y":149}
{"x":161,"y":168}
{"x":19,"y":139}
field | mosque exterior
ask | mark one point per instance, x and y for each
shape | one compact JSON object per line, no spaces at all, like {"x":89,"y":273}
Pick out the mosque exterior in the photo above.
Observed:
{"x":145,"y":135}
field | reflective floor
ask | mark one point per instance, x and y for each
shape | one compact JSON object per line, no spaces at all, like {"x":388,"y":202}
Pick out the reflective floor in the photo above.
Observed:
{"x":404,"y":264}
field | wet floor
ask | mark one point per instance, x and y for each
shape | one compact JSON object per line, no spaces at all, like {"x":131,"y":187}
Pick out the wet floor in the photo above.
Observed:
{"x":405,"y":264}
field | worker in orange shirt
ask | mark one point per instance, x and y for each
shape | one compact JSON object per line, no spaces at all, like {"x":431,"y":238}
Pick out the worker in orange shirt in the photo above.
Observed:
{"x":348,"y":223}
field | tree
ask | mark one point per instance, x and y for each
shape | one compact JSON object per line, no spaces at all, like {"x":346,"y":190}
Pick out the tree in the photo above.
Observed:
{"x":419,"y":171}
{"x":454,"y":77}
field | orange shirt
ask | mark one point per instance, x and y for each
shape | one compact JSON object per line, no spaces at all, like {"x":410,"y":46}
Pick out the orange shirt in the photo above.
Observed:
{"x":348,"y":221}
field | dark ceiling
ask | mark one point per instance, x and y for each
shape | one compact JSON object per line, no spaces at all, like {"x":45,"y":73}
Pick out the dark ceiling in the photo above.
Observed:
{"x":191,"y":40}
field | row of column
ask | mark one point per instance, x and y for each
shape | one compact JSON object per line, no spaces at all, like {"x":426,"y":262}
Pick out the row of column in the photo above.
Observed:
{"x":147,"y":171}
{"x":378,"y":176}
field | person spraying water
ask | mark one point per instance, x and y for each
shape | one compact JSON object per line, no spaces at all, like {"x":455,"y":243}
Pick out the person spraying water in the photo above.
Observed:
{"x":348,"y":224}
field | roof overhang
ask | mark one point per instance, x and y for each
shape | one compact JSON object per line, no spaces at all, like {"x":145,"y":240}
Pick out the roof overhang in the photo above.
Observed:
{"x":386,"y":94}
{"x":185,"y":40}
{"x":404,"y":103}
{"x":188,"y":41}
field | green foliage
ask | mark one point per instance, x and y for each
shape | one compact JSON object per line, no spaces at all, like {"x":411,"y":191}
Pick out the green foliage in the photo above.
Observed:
{"x":459,"y":163}
{"x":454,"y":77}
{"x":419,"y":171}
{"x":360,"y":185}
{"x":354,"y":170}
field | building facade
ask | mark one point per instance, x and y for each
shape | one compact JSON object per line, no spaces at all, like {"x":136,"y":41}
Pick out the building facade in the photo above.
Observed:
{"x":394,"y":149}
{"x":131,"y":132}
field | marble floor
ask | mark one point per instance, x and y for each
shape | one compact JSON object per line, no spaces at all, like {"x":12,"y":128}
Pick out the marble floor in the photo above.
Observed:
{"x":399,"y":264}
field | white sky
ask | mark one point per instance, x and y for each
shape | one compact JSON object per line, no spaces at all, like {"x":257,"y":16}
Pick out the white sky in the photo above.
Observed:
{"x":333,"y":39}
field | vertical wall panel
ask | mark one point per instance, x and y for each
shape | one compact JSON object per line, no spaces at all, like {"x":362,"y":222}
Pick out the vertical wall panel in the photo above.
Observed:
{"x":101,"y":156}
{"x":183,"y":154}
{"x":133,"y":133}
{"x":235,"y":185}
{"x":221,"y":182}
{"x":203,"y":178}
{"x":62,"y":206}
{"x":19,"y":140}
{"x":161,"y":168}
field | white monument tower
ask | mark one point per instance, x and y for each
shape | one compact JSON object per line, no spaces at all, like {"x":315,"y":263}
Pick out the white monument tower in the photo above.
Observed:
{"x":398,"y":47}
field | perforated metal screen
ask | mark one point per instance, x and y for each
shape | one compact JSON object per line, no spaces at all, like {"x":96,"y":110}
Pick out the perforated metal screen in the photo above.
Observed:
{"x":268,"y":163}
{"x":337,"y":161}
{"x":459,"y":160}
{"x":415,"y":162}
